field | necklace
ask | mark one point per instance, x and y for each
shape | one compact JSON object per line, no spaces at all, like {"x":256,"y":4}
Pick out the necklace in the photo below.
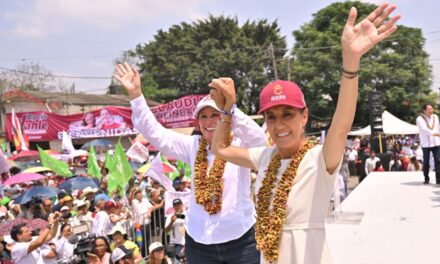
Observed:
{"x":270,"y":221}
{"x":208,"y":186}
{"x":427,"y":124}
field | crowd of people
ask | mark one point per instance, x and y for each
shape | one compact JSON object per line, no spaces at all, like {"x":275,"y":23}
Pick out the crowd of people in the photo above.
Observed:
{"x":109,"y":220}
{"x":220,"y":223}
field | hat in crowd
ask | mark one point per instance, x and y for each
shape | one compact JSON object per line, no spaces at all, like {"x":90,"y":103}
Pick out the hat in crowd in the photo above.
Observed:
{"x":88,"y":190}
{"x":176,"y":182}
{"x":205,"y":102}
{"x":281,"y":93}
{"x":82,"y":202}
{"x":120,"y":252}
{"x":177,"y":201}
{"x":154,"y":246}
{"x":66,"y":199}
{"x":65,"y":208}
{"x":117,"y":228}
{"x":109,"y":205}
{"x":102,"y":196}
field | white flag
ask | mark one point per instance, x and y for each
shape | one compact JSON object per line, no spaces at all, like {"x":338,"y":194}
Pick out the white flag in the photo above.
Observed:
{"x":156,"y":172}
{"x":66,"y":143}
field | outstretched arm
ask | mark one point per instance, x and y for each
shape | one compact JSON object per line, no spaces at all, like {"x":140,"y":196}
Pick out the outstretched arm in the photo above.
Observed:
{"x":169,"y":142}
{"x":356,"y":41}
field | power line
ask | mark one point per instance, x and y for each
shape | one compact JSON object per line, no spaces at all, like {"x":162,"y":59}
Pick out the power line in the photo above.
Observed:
{"x":53,"y":75}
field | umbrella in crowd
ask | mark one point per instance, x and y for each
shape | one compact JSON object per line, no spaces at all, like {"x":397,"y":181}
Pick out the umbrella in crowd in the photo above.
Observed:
{"x":23,"y":177}
{"x":37,"y":169}
{"x":98,"y":145}
{"x":25,"y":155}
{"x":27,"y":164}
{"x":41,"y":192}
{"x":79,"y":183}
{"x":33,"y":224}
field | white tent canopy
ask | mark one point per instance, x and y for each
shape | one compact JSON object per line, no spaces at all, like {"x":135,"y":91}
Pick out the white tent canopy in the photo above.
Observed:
{"x":391,"y":126}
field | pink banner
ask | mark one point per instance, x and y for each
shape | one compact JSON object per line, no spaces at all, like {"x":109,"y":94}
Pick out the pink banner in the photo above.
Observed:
{"x":177,"y":113}
{"x":105,"y":122}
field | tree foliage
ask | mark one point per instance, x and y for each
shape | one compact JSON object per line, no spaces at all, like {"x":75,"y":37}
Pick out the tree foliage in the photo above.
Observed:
{"x":398,"y":66}
{"x":186,"y":57}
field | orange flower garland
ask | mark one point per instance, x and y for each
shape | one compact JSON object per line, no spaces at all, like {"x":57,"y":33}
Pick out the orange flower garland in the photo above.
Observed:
{"x":208,"y":188}
{"x":270,"y":221}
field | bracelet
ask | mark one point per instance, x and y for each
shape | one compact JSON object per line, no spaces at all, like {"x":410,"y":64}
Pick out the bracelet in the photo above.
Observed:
{"x":349,"y":74}
{"x":229,"y":112}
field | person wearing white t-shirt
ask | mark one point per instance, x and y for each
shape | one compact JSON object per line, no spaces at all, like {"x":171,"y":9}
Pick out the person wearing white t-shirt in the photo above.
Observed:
{"x":27,"y":250}
{"x":175,"y":225}
{"x":429,"y":134}
{"x":370,"y":163}
{"x":295,"y":177}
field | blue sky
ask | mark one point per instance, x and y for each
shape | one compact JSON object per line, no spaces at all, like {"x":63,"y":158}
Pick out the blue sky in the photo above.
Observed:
{"x":83,"y":37}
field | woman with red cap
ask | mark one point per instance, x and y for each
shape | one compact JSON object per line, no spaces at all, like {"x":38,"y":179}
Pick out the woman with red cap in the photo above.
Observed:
{"x":295,"y":178}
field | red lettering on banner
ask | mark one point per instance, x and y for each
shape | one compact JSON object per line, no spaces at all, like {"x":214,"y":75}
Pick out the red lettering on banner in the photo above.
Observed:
{"x":105,"y":122}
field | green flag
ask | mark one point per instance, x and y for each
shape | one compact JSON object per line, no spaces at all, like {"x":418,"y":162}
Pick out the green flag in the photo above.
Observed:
{"x":108,"y":160}
{"x":92,"y":165}
{"x":182,"y":166}
{"x":58,"y":166}
{"x":120,"y":172}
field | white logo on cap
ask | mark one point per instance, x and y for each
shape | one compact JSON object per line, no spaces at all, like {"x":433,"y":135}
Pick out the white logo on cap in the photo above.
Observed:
{"x":278,"y":97}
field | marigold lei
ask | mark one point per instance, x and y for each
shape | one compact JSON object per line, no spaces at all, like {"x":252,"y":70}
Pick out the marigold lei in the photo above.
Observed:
{"x":270,"y":221}
{"x":208,"y":187}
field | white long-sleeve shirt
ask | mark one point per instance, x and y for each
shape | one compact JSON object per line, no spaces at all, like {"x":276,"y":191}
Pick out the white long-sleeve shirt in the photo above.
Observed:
{"x":427,"y":139}
{"x":238,"y":212}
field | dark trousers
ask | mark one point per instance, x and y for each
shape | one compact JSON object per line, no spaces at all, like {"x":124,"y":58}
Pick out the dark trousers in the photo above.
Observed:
{"x":352,"y":167}
{"x":426,"y":158}
{"x":239,"y":251}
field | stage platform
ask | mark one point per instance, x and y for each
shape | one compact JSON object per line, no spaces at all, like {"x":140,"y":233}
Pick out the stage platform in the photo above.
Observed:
{"x":391,"y":217}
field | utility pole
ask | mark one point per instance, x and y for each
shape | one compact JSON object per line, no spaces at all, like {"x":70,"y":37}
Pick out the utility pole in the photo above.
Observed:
{"x":288,"y":68}
{"x":274,"y":63}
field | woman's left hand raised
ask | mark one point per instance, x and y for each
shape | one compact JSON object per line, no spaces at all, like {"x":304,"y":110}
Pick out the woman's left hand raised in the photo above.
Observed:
{"x":360,"y":38}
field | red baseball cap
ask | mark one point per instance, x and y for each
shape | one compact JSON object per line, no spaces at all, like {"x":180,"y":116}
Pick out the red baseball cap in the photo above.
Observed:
{"x":281,"y":93}
{"x":109,"y":205}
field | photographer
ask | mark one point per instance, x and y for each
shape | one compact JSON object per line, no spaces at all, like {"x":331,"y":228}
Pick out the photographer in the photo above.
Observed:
{"x":26,"y":250}
{"x":64,"y":248}
{"x":176,"y":224}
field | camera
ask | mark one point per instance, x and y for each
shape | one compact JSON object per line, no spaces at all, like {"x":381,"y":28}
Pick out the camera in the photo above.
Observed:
{"x":83,"y":246}
{"x":180,"y":216}
{"x":66,"y":215}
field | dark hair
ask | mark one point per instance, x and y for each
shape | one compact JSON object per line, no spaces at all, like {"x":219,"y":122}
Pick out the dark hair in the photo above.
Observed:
{"x":378,"y":164}
{"x":425,"y":106}
{"x":106,"y":243}
{"x":63,"y":226}
{"x":16,"y":230}
{"x":14,"y":170}
{"x":61,"y":195}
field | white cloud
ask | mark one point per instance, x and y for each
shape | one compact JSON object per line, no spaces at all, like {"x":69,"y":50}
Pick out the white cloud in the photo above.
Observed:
{"x":43,"y":17}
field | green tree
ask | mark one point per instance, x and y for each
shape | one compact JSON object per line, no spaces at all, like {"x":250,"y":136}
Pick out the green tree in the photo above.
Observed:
{"x":186,"y":57}
{"x":398,"y":66}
